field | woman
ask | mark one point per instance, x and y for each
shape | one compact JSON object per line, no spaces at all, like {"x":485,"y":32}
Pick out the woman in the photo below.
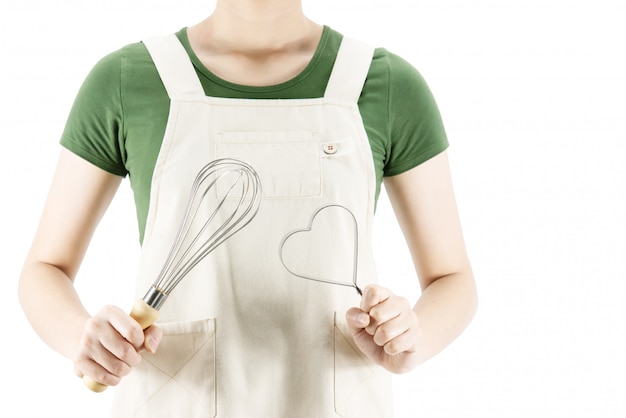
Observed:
{"x":323,"y":119}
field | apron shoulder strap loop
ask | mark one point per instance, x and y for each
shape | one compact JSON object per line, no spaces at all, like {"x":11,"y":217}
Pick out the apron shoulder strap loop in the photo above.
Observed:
{"x":350,"y":70}
{"x":174,"y":66}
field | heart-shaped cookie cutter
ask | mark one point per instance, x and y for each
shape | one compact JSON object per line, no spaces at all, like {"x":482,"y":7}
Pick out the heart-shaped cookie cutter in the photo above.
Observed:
{"x":308,"y":229}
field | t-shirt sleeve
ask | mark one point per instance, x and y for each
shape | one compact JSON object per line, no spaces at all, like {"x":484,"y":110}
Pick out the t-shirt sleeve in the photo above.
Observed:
{"x":417,"y":131}
{"x":94,"y":128}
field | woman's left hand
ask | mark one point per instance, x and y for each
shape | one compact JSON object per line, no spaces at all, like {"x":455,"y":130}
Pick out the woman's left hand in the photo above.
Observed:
{"x":386,"y":329}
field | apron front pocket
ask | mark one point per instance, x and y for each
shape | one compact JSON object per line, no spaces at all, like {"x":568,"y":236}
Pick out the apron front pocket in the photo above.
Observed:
{"x":288,"y":163}
{"x":361,"y":387}
{"x":179,"y":379}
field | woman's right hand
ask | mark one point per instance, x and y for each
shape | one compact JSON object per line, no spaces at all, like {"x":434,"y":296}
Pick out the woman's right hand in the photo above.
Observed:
{"x":111,"y":345}
{"x":103,"y":347}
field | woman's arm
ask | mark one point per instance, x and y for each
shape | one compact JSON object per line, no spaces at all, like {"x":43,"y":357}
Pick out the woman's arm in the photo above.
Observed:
{"x":78,"y":197}
{"x":385,"y":327}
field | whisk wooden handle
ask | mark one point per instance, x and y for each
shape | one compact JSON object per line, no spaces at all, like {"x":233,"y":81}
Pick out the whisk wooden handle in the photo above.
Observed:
{"x":93,"y":385}
{"x":145,"y":315}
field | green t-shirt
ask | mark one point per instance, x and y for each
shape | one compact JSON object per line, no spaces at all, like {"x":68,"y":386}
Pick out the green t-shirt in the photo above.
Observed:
{"x":119,"y":116}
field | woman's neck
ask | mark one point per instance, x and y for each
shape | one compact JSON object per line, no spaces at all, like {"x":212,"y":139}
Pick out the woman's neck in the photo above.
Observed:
{"x":253,"y":27}
{"x":255,"y":42}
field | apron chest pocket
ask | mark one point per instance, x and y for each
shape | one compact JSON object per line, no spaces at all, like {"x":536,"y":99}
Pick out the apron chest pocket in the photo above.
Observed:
{"x":288,"y":163}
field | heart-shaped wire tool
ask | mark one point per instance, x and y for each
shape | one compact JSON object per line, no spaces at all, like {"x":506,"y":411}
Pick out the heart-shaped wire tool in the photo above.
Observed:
{"x":328,"y":241}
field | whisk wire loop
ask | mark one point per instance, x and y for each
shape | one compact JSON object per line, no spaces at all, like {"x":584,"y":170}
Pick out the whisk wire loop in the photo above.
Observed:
{"x":193,"y":243}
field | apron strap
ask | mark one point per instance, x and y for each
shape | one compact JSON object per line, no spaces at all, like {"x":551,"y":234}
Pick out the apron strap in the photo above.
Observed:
{"x":350,"y":70}
{"x":174,"y":66}
{"x":180,"y":79}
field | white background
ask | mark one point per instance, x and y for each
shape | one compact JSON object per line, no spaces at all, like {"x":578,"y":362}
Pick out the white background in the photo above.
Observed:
{"x":533,"y":94}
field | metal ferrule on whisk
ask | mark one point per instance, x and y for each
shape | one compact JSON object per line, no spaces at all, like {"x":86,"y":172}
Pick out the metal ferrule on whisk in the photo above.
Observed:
{"x":155,"y":298}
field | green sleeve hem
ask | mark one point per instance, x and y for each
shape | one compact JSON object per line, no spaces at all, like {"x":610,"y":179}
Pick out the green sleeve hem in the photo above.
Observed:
{"x":91,"y":158}
{"x":407,"y":165}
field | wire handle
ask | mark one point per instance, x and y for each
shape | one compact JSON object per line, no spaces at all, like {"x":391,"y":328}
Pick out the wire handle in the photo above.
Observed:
{"x":145,"y":315}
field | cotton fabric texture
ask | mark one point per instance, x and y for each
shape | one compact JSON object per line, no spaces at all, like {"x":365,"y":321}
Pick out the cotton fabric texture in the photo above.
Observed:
{"x":120,"y":113}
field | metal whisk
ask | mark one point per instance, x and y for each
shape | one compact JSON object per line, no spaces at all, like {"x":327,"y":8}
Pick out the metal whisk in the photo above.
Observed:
{"x":206,"y":224}
{"x":200,"y":234}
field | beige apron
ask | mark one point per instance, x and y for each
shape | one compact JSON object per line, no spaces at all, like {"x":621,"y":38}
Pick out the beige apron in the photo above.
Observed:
{"x":243,"y":336}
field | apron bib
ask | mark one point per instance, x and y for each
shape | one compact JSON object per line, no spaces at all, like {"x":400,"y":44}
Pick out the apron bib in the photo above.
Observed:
{"x":243,"y":337}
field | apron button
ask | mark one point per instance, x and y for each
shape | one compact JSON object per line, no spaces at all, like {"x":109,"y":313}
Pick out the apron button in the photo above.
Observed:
{"x":330,"y":149}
